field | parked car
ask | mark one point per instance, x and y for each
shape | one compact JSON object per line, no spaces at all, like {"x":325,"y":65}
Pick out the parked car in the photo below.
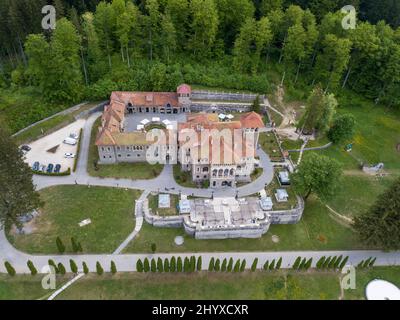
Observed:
{"x":70,"y":141}
{"x":36,"y":166}
{"x":26,"y":148}
{"x":74,"y":136}
{"x":69,"y":155}
{"x":50,"y":168}
{"x":57,"y":168}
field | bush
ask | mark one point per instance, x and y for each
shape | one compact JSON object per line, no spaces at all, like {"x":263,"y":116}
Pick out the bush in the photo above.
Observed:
{"x":186,"y":265}
{"x":243,"y":265}
{"x":78,"y":150}
{"x":113,"y":267}
{"x":10,"y":269}
{"x":266,"y":265}
{"x":337,"y":262}
{"x":230,"y":265}
{"x":59,"y":174}
{"x":302,"y":264}
{"x":31,"y":267}
{"x":217,"y":266}
{"x":254,"y":264}
{"x":73,"y":266}
{"x":61,"y":269}
{"x":279,"y":264}
{"x":74,"y":244}
{"x":331,"y":263}
{"x":343,"y":263}
{"x":99,"y":268}
{"x":139,"y":266}
{"x":160,"y":267}
{"x":192,"y":264}
{"x":85,"y":268}
{"x":296,"y":263}
{"x":237,"y":266}
{"x":153,"y":266}
{"x":199,"y":263}
{"x":153,"y":247}
{"x":224,"y":264}
{"x":272,"y":265}
{"x":308,"y":264}
{"x":320,"y":262}
{"x":211,"y":265}
{"x":366,"y":263}
{"x":371,"y":264}
{"x":173,"y":264}
{"x":166,"y":265}
{"x":146,"y":265}
{"x":326,"y":262}
{"x":60,"y":245}
{"x":179,"y":264}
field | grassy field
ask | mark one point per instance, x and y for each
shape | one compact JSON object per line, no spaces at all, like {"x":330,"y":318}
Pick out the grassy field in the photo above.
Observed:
{"x":111,"y":211}
{"x":258,"y":285}
{"x":270,"y":145}
{"x":142,"y":170}
{"x":316,"y":231}
{"x":171,"y":211}
{"x":26,"y":287}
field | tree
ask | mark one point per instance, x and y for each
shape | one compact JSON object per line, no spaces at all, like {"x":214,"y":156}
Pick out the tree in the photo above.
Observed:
{"x":166,"y":265}
{"x":224,"y":264}
{"x":380,"y":225}
{"x":372,"y":262}
{"x":192,"y":264}
{"x":74,"y":245}
{"x":168,"y":34}
{"x":217,"y":265}
{"x":61,"y":268}
{"x":160,"y":265}
{"x":278,"y":264}
{"x":31,"y":267}
{"x":326,"y":263}
{"x":343,"y":263}
{"x":243,"y":265}
{"x":104,"y":22}
{"x":146,"y":265}
{"x":230,"y":265}
{"x":179,"y":264}
{"x":267,"y":6}
{"x":302,"y":263}
{"x":338,"y":262}
{"x":211,"y":265}
{"x":186,"y":264}
{"x":320,"y":262}
{"x":153,"y":25}
{"x":296,"y":263}
{"x":237,"y":266}
{"x":256,"y":107}
{"x":332,"y":263}
{"x":199,"y":263}
{"x":343,"y":128}
{"x":317,"y":174}
{"x":85,"y":268}
{"x":51,"y":263}
{"x":173,"y":264}
{"x":153,"y":248}
{"x":99,"y":268}
{"x":17,"y":193}
{"x":308,"y":264}
{"x":254,"y":264}
{"x":153,"y":266}
{"x":60,"y":245}
{"x":73,"y":266}
{"x":113,"y":267}
{"x":266,"y":265}
{"x":10,"y":269}
{"x":272,"y":265}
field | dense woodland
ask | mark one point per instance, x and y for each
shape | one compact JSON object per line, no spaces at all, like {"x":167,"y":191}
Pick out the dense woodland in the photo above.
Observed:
{"x":99,"y":46}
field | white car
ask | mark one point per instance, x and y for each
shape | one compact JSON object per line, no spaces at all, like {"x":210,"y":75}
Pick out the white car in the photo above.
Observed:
{"x":70,"y":141}
{"x":74,"y":136}
{"x":69,"y":155}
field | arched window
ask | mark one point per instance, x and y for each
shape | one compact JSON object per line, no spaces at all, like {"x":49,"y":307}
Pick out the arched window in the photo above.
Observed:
{"x":220,"y":172}
{"x":232,"y":172}
{"x":226,"y":172}
{"x":215,"y":171}
{"x":205,"y":169}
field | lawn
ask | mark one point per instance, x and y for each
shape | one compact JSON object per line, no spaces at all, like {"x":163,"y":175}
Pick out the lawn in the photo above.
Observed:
{"x":270,"y":145}
{"x":140,"y":170}
{"x":311,"y":285}
{"x":26,"y":287}
{"x":271,"y":189}
{"x":110,"y":210}
{"x":171,"y":211}
{"x":316,"y":231}
{"x":183,"y":178}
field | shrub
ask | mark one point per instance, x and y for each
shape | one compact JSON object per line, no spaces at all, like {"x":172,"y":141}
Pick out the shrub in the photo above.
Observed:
{"x":10,"y":269}
{"x":338,"y":261}
{"x":211,"y":265}
{"x":146,"y":265}
{"x":272,"y":265}
{"x":254,"y":265}
{"x":186,"y":264}
{"x":237,"y":266}
{"x":160,"y":267}
{"x":266,"y":265}
{"x":243,"y":265}
{"x":308,"y":264}
{"x":230,"y":265}
{"x":371,"y":264}
{"x":166,"y":265}
{"x":85,"y":268}
{"x":113,"y":267}
{"x":279,"y":264}
{"x":153,"y":266}
{"x":173,"y":264}
{"x":320,"y":262}
{"x":360,"y":265}
{"x":73,"y":266}
{"x":60,"y":245}
{"x":366,"y":263}
{"x":331,"y":263}
{"x":179,"y":264}
{"x":61,"y":268}
{"x":51,"y":263}
{"x":74,"y":244}
{"x":153,"y":247}
{"x":217,"y":266}
{"x":199,"y":263}
{"x":99,"y":268}
{"x":343,"y":263}
{"x":326,"y":262}
{"x":31,"y":267}
{"x":224,"y":264}
{"x":296,"y":263}
{"x":139,"y":266}
{"x":192,"y":264}
{"x":302,"y":264}
{"x":41,"y":173}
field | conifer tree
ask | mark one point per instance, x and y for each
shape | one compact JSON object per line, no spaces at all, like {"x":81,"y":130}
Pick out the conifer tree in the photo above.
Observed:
{"x":31,"y":267}
{"x":254,"y":264}
{"x":243,"y":265}
{"x":230,"y":265}
{"x":153,"y":266}
{"x":113,"y":268}
{"x":179,"y":266}
{"x":146,"y":265}
{"x":199,"y":263}
{"x":160,"y":265}
{"x":224,"y":264}
{"x":211,"y":265}
{"x":172,"y":265}
{"x":266,"y":265}
{"x":61,"y":268}
{"x":139,"y":265}
{"x":99,"y":268}
{"x":73,"y":266}
{"x":278,"y":264}
{"x":10,"y":269}
{"x":85,"y":268}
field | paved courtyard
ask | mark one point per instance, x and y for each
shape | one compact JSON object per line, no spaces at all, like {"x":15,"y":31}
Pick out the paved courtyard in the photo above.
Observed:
{"x":133,"y":120}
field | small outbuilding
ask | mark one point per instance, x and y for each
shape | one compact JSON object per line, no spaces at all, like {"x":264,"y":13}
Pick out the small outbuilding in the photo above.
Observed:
{"x":284,"y":178}
{"x":266,"y":203}
{"x":281,"y":195}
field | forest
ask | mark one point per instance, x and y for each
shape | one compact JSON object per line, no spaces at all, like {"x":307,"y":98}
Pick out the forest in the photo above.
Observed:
{"x":100,"y":46}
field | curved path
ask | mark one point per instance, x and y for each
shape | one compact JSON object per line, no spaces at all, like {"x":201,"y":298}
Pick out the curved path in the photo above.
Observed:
{"x":127,"y":262}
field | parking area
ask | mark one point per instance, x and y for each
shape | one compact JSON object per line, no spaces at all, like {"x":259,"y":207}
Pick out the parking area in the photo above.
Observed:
{"x":51,"y":149}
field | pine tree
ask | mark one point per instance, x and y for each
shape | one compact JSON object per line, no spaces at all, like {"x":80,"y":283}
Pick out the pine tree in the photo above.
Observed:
{"x":153,"y":248}
{"x":308,"y":264}
{"x":326,"y":262}
{"x":266,"y":266}
{"x":237,"y":266}
{"x":332,"y":263}
{"x":61,"y":268}
{"x":296,"y":263}
{"x":343,"y":263}
{"x":243,"y":265}
{"x":31,"y":267}
{"x":173,"y":264}
{"x":10,"y":269}
{"x":371,"y":264}
{"x":279,"y":264}
{"x":217,"y":265}
{"x":230,"y":265}
{"x":51,"y":263}
{"x":139,"y":265}
{"x":179,"y":265}
{"x":73,"y":266}
{"x":166,"y":265}
{"x":60,"y":245}
{"x":75,"y":247}
{"x":99,"y":268}
{"x":192,"y":264}
{"x":186,"y":265}
{"x":320,"y":262}
{"x":199,"y":263}
{"x":338,"y":261}
{"x":211,"y":265}
{"x":113,"y":268}
{"x":153,"y":266}
{"x":146,"y":265}
{"x":254,"y":265}
{"x":85,"y":268}
{"x":272,"y":265}
{"x":160,"y":265}
{"x":224,"y":264}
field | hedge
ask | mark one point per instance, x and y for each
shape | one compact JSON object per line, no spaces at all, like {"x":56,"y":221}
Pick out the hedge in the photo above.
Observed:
{"x":77,"y":151}
{"x":41,"y":173}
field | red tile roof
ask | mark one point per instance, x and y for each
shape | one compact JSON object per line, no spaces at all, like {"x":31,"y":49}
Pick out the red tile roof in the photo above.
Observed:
{"x":184,"y":88}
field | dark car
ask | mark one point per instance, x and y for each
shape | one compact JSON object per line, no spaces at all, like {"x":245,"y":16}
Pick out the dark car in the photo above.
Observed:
{"x":57,"y":168}
{"x":50,"y":168}
{"x":36,"y":166}
{"x":26,"y":148}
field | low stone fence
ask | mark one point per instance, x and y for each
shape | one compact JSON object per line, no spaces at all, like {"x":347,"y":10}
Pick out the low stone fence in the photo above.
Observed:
{"x":224,"y":96}
{"x":223,"y":108}
{"x":158,"y":221}
{"x":98,"y":108}
{"x":288,"y":216}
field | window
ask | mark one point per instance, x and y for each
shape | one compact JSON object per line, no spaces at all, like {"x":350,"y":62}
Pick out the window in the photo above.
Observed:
{"x":119,"y":156}
{"x":128,"y":155}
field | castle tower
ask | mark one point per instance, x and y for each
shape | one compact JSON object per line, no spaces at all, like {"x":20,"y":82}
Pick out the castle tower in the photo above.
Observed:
{"x":184,"y":92}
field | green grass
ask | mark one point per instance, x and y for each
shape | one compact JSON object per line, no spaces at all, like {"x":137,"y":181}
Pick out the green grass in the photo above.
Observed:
{"x":171,"y":211}
{"x":271,"y":189}
{"x":277,"y":285}
{"x":269,"y":144}
{"x":111,"y":211}
{"x":316,"y":231}
{"x":183,"y":178}
{"x":140,"y":170}
{"x":26,"y":287}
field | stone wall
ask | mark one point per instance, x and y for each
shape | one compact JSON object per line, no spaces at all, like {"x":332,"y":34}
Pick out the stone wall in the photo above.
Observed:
{"x":158,"y":221}
{"x":224,"y":96}
{"x":288,"y":216}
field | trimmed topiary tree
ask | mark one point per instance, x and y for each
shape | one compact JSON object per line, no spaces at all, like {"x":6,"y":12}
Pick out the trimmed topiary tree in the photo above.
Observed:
{"x":278,"y":264}
{"x":211,"y":265}
{"x":186,"y":264}
{"x":99,"y":268}
{"x":337,"y":262}
{"x":326,"y":262}
{"x":179,"y":266}
{"x":10,"y":269}
{"x":371,"y":264}
{"x":272,"y":265}
{"x":153,"y":266}
{"x":331,"y":263}
{"x":139,"y":265}
{"x":146,"y":265}
{"x":243,"y":265}
{"x":61,"y":269}
{"x":73,"y":266}
{"x":51,"y":263}
{"x":192,"y":264}
{"x":343,"y":263}
{"x":266,"y":266}
{"x":113,"y":268}
{"x":160,"y":267}
{"x":60,"y":245}
{"x":31,"y":267}
{"x":74,"y":244}
{"x":320,"y":262}
{"x":224,"y":264}
{"x":302,"y":264}
{"x":153,"y":247}
{"x":85,"y":268}
{"x":217,"y":266}
{"x":199,"y":263}
{"x":296,"y":263}
{"x":230,"y":265}
{"x":172,"y":265}
{"x":366,"y":263}
{"x":308,"y":264}
{"x":254,"y":265}
{"x":237,"y":266}
{"x":166,"y":265}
